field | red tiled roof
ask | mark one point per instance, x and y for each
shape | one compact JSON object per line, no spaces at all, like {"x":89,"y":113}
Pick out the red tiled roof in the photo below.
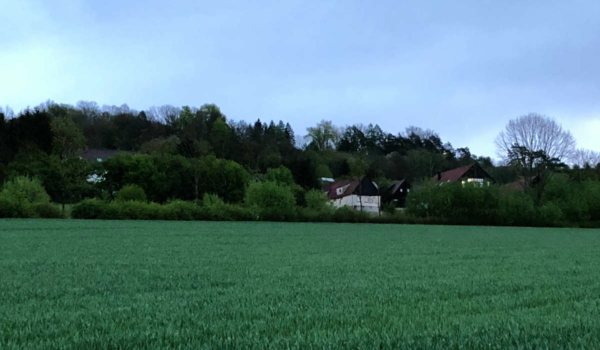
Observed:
{"x":331,"y":189}
{"x":454,"y":174}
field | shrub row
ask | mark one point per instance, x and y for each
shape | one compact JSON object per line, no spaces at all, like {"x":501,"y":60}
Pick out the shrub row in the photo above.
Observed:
{"x":455,"y":204}
{"x":13,"y":210}
{"x":26,"y":198}
{"x":175,"y":210}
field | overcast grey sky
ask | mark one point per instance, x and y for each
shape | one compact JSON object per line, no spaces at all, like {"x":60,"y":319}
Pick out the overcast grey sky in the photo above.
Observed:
{"x":462,"y":68}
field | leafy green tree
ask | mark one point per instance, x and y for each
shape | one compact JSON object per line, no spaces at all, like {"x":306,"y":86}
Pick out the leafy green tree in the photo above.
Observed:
{"x":281,"y":176}
{"x":227,"y":179}
{"x":323,"y":136}
{"x":220,"y":137}
{"x":270,"y":195}
{"x":68,"y":140}
{"x":72,"y":181}
{"x":317,"y":200}
{"x":24,"y":191}
{"x":161,"y":146}
{"x":131,"y":193}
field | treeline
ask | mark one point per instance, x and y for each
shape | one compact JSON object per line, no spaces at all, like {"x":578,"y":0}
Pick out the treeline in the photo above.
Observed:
{"x":326,"y":151}
{"x":253,"y":171}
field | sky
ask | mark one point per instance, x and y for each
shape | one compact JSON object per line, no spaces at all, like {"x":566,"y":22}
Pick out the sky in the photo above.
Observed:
{"x":461,"y":68}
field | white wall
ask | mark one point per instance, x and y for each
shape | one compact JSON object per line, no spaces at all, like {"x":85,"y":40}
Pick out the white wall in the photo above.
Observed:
{"x":369,"y":203}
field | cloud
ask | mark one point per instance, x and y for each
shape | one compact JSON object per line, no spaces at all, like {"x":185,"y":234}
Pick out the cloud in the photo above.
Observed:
{"x":461,"y":68}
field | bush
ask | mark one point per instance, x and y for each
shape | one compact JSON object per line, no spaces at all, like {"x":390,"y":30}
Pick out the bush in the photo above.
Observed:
{"x":131,"y":193}
{"x":347,"y":214}
{"x":26,"y":198}
{"x":24,"y":191}
{"x":281,"y":176}
{"x":10,"y":210}
{"x":389,"y":208}
{"x":89,"y":209}
{"x":317,"y":200}
{"x":456,"y":203}
{"x":274,"y":202}
{"x":550,"y":214}
{"x":516,"y":208}
{"x":48,"y":211}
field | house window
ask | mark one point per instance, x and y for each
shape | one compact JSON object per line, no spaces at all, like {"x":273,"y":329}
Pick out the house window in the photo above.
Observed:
{"x":401,"y":190}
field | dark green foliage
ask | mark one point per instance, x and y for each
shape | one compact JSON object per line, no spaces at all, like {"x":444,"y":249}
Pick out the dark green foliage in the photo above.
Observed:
{"x":47,"y":211}
{"x":281,"y":176}
{"x":24,"y":191}
{"x":26,"y":198}
{"x":211,"y":210}
{"x":389,"y":208}
{"x":131,"y":193}
{"x":275,"y":202}
{"x":349,"y":215}
{"x":193,"y":151}
{"x":88,"y":209}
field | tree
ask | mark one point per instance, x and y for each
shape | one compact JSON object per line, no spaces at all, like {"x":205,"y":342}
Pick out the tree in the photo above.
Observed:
{"x":220,"y":136}
{"x":323,"y":136}
{"x":353,"y":140}
{"x":536,"y":133}
{"x":68,"y":139}
{"x":584,"y":157}
{"x":423,"y":164}
{"x":536,"y":167}
{"x":72,"y":181}
{"x":226,"y":179}
{"x":281,"y":176}
{"x":166,"y":114}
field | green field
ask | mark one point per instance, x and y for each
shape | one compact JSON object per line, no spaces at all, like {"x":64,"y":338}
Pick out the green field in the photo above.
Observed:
{"x":194,"y":285}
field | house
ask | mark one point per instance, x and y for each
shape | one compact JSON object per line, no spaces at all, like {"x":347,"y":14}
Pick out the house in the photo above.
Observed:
{"x":397,"y":193}
{"x":98,"y":155}
{"x":466,"y":174}
{"x":359,"y":194}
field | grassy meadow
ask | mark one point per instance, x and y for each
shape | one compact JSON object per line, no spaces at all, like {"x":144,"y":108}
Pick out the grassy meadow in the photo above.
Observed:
{"x":69,"y":284}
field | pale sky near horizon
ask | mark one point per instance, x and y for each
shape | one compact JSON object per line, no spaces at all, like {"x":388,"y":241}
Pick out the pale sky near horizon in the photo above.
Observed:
{"x":460,"y":68}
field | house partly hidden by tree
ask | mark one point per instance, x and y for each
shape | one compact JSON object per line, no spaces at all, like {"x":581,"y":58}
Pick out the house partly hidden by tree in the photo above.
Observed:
{"x":473,"y":173}
{"x":99,"y":155}
{"x":359,"y":194}
{"x":397,"y":193}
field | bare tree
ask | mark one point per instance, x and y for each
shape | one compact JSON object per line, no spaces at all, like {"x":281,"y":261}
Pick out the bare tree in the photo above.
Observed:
{"x":8,"y":112}
{"x":535,"y":133}
{"x":89,"y":108}
{"x":582,"y":157}
{"x":166,"y":114}
{"x":422,"y":133}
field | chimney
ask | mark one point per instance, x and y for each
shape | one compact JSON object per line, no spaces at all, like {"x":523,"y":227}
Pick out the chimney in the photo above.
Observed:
{"x":439,"y":176}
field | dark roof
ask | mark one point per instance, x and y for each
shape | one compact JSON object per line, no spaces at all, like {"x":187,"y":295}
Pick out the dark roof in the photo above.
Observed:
{"x":459,"y":173}
{"x":92,"y":155}
{"x":454,"y":174}
{"x":396,"y":186}
{"x":353,"y":184}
